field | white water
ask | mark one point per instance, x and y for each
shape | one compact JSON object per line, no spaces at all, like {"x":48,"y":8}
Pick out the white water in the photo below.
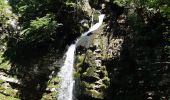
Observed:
{"x":65,"y":91}
{"x":65,"y":75}
{"x":96,"y":26}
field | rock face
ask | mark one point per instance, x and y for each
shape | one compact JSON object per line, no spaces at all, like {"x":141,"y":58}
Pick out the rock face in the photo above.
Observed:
{"x":122,"y":60}
{"x":85,"y":7}
{"x":114,"y":65}
{"x":8,"y":88}
{"x":90,"y":63}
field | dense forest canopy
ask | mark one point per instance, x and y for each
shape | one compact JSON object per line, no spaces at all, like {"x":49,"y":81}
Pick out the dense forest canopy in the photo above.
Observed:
{"x":32,"y":30}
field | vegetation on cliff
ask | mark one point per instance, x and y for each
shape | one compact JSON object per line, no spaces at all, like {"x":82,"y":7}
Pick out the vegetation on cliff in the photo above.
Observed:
{"x":127,"y":58}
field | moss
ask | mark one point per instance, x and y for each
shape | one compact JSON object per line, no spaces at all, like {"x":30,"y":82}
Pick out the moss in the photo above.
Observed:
{"x":11,"y":92}
{"x":11,"y":98}
{"x":8,"y":91}
{"x":2,"y":88}
{"x":106,"y":81}
{"x":103,"y":87}
{"x":79,"y":60}
{"x":47,"y":97}
{"x":90,"y":72}
{"x":76,"y":74}
{"x":55,"y":79}
{"x":1,"y":81}
{"x":95,"y":94}
{"x":87,"y":85}
{"x":3,"y":97}
{"x":53,"y":83}
{"x":84,"y":84}
{"x":4,"y":65}
{"x":51,"y":86}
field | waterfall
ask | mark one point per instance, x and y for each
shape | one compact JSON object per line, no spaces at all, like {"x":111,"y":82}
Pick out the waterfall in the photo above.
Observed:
{"x":65,"y":91}
{"x":65,"y":75}
{"x":95,"y":26}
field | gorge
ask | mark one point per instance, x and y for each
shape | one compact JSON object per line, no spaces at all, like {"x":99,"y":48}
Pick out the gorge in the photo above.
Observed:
{"x":50,"y":50}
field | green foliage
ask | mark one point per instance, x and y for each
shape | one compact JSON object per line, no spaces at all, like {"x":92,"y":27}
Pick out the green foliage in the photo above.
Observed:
{"x":86,"y":84}
{"x":95,"y":94}
{"x":76,"y":74}
{"x":122,"y":2}
{"x":162,"y":5}
{"x":40,"y":22}
{"x":5,"y":22}
{"x":4,"y":64}
{"x":44,"y":27}
{"x":165,"y":10}
{"x":7,"y":93}
{"x":40,"y":29}
{"x":90,"y":72}
{"x":4,"y":14}
{"x":3,"y":97}
{"x":106,"y":81}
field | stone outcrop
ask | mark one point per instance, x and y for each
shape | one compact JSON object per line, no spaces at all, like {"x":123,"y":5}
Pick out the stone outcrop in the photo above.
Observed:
{"x":8,"y":85}
{"x":90,"y":63}
{"x":119,"y":61}
{"x":85,"y":7}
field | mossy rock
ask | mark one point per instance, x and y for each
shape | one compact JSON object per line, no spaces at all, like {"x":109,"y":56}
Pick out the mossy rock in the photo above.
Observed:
{"x":4,"y":64}
{"x":79,"y":61}
{"x":55,"y":80}
{"x":90,"y":91}
{"x":80,"y":58}
{"x":11,"y":92}
{"x":91,"y":72}
{"x":84,"y":84}
{"x":76,"y":74}
{"x":94,"y":94}
{"x":4,"y":97}
{"x":106,"y":81}
{"x":11,"y":98}
{"x":2,"y":88}
{"x":53,"y":83}
{"x":49,"y":96}
{"x":87,"y":85}
{"x":1,"y":81}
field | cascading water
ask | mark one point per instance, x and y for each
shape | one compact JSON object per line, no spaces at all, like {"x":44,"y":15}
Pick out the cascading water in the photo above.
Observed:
{"x":65,"y":91}
{"x":95,"y":26}
{"x":65,"y":75}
